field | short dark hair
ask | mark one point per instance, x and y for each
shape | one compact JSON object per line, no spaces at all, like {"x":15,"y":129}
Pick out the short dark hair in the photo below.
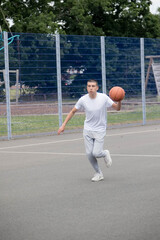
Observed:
{"x":92,"y":80}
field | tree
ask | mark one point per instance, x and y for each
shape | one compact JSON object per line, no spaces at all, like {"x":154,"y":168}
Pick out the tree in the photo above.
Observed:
{"x":152,"y":26}
{"x":122,"y":18}
{"x":33,"y":16}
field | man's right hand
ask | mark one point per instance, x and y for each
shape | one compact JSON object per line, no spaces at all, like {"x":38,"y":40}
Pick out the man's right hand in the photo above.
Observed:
{"x":69,"y":116}
{"x":61,"y":129}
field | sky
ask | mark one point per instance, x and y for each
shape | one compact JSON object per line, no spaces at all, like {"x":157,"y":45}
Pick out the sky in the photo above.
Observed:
{"x":154,"y":6}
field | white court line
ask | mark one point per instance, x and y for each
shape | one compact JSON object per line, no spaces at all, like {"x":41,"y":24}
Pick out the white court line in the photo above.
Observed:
{"x":82,"y":154}
{"x":44,"y":143}
{"x":129,"y":133}
{"x":136,"y":155}
{"x":45,"y":153}
{"x":77,"y":139}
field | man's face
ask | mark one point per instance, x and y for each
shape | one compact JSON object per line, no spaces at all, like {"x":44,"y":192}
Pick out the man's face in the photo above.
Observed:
{"x":92,"y":88}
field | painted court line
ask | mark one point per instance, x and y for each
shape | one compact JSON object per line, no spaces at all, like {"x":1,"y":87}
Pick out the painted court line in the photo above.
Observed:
{"x":130,"y":133}
{"x":44,"y":143}
{"x":136,"y":155}
{"x":45,"y":153}
{"x":82,"y":154}
{"x":78,"y":139}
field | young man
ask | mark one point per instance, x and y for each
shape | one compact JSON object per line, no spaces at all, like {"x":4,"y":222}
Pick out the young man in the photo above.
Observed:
{"x":94,"y":104}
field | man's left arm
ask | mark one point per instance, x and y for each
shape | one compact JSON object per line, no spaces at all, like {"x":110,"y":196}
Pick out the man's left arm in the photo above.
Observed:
{"x":117,"y":106}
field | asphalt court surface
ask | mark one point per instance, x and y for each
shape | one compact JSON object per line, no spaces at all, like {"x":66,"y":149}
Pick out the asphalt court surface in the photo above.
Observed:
{"x":46,"y":192}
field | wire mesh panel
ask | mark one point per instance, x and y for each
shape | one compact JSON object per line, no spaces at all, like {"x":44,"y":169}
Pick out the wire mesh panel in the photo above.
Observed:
{"x":80,"y":61}
{"x":152,"y":80}
{"x":33,"y":76}
{"x":123,"y":68}
{"x":33,"y":84}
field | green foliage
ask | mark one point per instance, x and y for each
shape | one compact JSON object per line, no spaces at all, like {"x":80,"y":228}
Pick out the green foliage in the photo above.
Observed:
{"x":29,"y":16}
{"x":127,"y":18}
{"x":107,"y":17}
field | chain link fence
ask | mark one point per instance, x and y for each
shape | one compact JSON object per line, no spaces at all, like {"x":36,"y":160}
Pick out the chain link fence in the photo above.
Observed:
{"x":43,"y":75}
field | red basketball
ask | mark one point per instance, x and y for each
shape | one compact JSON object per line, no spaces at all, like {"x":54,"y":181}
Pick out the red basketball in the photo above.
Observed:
{"x":117,"y":93}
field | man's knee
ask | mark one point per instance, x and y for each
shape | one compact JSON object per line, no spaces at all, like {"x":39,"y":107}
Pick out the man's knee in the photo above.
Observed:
{"x":97,"y":154}
{"x":89,"y":154}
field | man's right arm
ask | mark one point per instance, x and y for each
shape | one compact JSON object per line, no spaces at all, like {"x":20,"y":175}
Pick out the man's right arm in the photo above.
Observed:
{"x":69,"y":116}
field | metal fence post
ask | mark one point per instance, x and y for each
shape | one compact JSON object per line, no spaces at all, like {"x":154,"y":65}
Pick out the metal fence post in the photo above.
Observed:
{"x":7,"y":85}
{"x":59,"y":87}
{"x":103,"y":64}
{"x":143,"y":80}
{"x":103,"y":67}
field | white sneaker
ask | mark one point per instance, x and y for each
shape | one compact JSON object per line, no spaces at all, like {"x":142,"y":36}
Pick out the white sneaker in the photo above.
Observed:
{"x":108,"y":159}
{"x":97,"y":177}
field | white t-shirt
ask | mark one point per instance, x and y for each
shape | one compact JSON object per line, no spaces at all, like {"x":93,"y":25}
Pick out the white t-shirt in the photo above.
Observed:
{"x":95,"y":110}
